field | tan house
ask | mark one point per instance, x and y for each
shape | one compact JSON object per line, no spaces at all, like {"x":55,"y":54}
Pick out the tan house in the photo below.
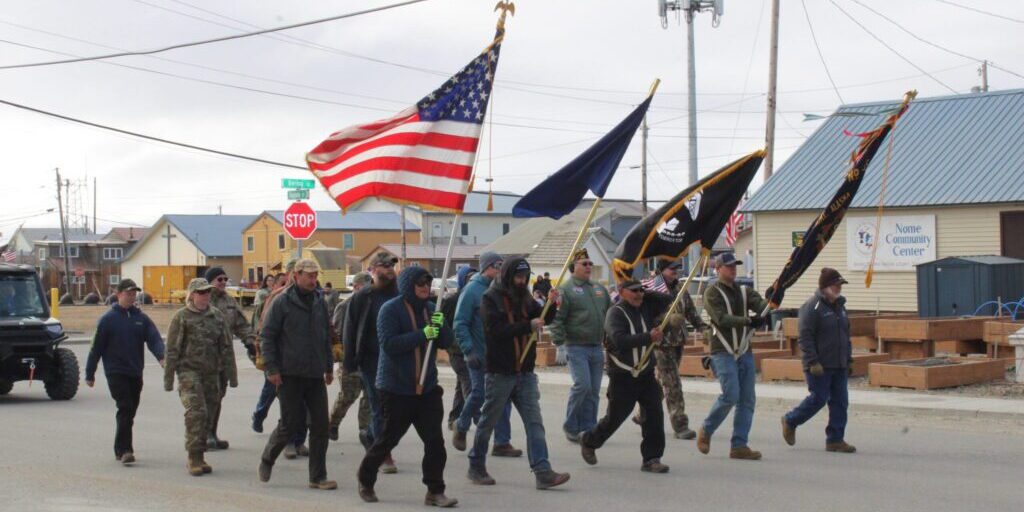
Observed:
{"x":355,"y":233}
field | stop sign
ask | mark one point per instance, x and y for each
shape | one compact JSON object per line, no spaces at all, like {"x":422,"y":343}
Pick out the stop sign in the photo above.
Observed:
{"x":299,"y":221}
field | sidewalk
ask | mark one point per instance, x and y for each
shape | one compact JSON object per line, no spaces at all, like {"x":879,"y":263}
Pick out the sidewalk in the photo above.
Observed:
{"x":880,"y":401}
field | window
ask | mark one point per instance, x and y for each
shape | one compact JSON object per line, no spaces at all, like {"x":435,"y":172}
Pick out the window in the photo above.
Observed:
{"x":72,"y":251}
{"x":113,"y":253}
{"x":252,"y":274}
{"x":465,"y":229}
{"x":348,"y":241}
{"x":115,"y":279}
{"x":250,"y":244}
{"x":280,"y":241}
{"x":505,"y":228}
{"x":42,"y":253}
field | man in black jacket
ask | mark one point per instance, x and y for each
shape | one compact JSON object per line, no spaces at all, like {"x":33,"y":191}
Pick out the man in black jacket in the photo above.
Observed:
{"x":827,"y":358}
{"x":630,"y":327}
{"x":510,"y":315}
{"x":296,"y":348}
{"x":360,"y":339}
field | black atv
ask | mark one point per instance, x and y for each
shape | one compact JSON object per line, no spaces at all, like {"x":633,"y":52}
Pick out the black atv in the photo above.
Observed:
{"x":30,"y":338}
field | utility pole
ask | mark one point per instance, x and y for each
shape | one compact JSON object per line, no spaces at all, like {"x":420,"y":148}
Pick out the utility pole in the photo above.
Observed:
{"x":64,"y":236}
{"x":773,"y":68}
{"x":984,"y":75}
{"x":643,"y":165}
{"x":690,"y":8}
{"x":403,"y":237}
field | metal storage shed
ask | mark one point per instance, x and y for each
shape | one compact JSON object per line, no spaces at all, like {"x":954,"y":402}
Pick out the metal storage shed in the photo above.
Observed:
{"x":959,"y":285}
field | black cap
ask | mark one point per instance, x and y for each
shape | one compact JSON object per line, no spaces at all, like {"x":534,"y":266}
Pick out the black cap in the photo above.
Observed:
{"x":631,"y":284}
{"x":673,"y":264}
{"x":829,"y":277}
{"x":127,"y":285}
{"x":727,"y":259}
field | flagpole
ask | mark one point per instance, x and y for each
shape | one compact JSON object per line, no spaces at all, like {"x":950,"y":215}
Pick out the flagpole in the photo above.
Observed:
{"x":565,"y":267}
{"x":679,"y":296}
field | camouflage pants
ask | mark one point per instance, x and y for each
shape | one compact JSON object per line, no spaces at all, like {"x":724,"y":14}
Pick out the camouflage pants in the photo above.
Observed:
{"x":215,"y":412}
{"x":351,"y":389}
{"x":667,"y":360}
{"x":200,"y":394}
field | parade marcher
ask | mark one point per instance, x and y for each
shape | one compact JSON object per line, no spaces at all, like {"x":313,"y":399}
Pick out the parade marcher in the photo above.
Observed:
{"x":296,"y":347}
{"x":237,"y":325}
{"x":668,"y":353}
{"x":579,"y":325}
{"x":360,"y":340}
{"x":469,"y":333}
{"x":351,"y":385}
{"x":122,"y":334}
{"x":409,"y":333}
{"x":331,"y":296}
{"x":827,"y":360}
{"x":728,"y":304}
{"x":543,"y":285}
{"x":463,"y":384}
{"x":510,"y":315}
{"x":199,"y":352}
{"x":631,"y":327}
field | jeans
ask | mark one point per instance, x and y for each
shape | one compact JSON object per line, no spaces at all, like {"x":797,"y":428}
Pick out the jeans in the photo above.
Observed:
{"x":624,"y":392}
{"x":736,"y":377}
{"x":586,"y":365}
{"x":369,"y":373}
{"x":302,"y":400}
{"x":523,"y":392}
{"x":126,"y":390}
{"x":267,"y":396}
{"x":463,"y":384}
{"x":471,"y":410}
{"x":828,"y":389}
{"x":423,"y":412}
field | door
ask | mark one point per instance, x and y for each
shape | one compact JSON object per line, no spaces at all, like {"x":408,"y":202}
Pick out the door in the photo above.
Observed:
{"x":1011,"y":233}
{"x":955,"y":290}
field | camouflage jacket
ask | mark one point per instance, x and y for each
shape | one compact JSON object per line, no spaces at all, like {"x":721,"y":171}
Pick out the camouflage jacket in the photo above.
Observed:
{"x":675,"y":334}
{"x":199,"y":342}
{"x":233,"y":316}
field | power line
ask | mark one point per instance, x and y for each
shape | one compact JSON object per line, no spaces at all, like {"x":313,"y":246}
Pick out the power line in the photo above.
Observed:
{"x":821,"y":56}
{"x":746,"y":78}
{"x":890,"y":48}
{"x":215,"y":40}
{"x":975,"y":9}
{"x":929,"y":43}
{"x":150,"y":137}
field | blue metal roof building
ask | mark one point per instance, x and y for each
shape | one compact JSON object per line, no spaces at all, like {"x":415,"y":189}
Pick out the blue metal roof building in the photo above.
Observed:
{"x":950,"y":150}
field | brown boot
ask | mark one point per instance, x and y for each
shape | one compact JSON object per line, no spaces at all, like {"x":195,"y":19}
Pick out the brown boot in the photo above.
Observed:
{"x":439,"y":500}
{"x":202,"y":463}
{"x":744,"y":453}
{"x":654,"y":466}
{"x":703,"y":441}
{"x":506,"y":450}
{"x":840,"y":447}
{"x":788,"y":432}
{"x":459,"y":441}
{"x":195,"y":463}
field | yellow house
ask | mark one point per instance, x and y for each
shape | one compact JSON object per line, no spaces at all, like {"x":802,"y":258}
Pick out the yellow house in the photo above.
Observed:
{"x":356,"y":233}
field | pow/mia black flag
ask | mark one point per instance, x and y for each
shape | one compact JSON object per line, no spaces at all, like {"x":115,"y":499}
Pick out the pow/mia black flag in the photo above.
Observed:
{"x":697,"y":214}
{"x":824,"y":226}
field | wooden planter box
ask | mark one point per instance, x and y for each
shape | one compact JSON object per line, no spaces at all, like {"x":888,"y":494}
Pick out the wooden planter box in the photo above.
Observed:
{"x":914,"y":374}
{"x":868,"y":343}
{"x":689,"y":365}
{"x":689,"y":350}
{"x":860,"y":325}
{"x":791,"y":368}
{"x":960,"y":347}
{"x":999,"y":331}
{"x":914,"y":338}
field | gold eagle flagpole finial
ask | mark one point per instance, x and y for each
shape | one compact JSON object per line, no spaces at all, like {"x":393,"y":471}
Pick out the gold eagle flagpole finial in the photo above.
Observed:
{"x":506,"y":7}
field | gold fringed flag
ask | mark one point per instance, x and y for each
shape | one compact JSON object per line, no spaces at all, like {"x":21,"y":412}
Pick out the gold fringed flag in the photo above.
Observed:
{"x":695,"y":215}
{"x":824,"y":226}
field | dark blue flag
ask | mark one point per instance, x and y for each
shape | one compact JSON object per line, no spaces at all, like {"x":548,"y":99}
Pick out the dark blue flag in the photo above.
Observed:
{"x":562,"y":192}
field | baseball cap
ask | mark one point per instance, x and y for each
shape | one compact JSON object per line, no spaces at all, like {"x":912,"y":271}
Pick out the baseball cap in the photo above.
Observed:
{"x":383,"y":258}
{"x":727,"y":259}
{"x":631,"y":284}
{"x":199,"y":284}
{"x":127,"y":285}
{"x":673,"y":264}
{"x":306,"y":265}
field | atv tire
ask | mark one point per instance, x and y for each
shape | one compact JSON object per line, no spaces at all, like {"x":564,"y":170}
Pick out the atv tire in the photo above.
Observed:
{"x":64,"y":385}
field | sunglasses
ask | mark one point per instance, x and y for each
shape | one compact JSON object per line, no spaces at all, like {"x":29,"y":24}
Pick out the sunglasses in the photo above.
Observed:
{"x":221,"y":279}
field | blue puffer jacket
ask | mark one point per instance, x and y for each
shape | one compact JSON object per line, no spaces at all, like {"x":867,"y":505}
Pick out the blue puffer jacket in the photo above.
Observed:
{"x":402,"y":343}
{"x":469,"y":325}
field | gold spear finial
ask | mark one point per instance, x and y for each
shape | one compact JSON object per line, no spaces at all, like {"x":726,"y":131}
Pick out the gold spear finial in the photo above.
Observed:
{"x":506,"y":7}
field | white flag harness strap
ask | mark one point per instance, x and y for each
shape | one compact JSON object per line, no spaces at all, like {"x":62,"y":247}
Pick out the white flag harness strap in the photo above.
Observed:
{"x":636,"y":351}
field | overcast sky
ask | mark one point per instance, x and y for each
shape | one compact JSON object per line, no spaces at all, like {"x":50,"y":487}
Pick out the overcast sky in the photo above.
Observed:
{"x":569,"y":70}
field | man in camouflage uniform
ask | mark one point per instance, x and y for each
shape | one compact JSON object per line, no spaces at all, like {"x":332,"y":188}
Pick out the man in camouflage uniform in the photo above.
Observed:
{"x":237,"y":325}
{"x":668,"y":353}
{"x":199,"y":352}
{"x":351,"y":383}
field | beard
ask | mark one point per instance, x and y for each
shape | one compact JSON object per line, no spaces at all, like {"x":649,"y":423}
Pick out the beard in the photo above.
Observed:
{"x":383,"y":281}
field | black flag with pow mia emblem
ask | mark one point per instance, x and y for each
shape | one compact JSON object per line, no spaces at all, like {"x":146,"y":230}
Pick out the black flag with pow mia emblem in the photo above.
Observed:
{"x":697,"y":214}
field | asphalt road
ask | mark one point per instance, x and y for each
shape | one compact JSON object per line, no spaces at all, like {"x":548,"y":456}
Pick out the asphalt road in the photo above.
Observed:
{"x":57,"y":456}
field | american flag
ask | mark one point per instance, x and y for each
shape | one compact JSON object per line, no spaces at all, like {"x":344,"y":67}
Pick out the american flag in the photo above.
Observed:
{"x":655,"y":284}
{"x":732,"y":227}
{"x":423,"y":155}
{"x":10,"y":255}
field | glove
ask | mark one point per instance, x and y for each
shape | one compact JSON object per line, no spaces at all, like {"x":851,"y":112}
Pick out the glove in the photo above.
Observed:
{"x":233,"y":382}
{"x":474,"y":361}
{"x":437,"y":319}
{"x":561,"y":357}
{"x":431,"y":332}
{"x":816,"y":369}
{"x":758,"y":321}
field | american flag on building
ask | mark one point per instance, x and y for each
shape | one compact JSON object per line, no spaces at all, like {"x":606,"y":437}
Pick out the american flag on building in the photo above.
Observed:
{"x":424,"y":155}
{"x":732,"y":227}
{"x":10,"y":255}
